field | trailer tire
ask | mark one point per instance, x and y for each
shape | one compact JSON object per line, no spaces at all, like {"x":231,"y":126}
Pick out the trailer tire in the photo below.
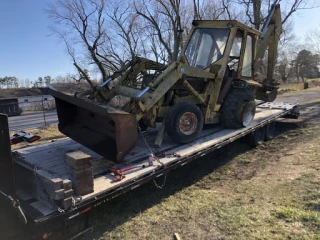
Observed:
{"x":143,"y":126}
{"x":184,"y":122}
{"x":257,"y":137}
{"x":270,"y":131}
{"x":238,"y":109}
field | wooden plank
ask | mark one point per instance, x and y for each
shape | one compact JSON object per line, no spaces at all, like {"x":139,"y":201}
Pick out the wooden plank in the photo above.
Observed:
{"x":23,"y":195}
{"x":43,"y":208}
{"x":49,"y":181}
{"x":66,"y":203}
{"x":67,"y":184}
{"x":68,"y":193}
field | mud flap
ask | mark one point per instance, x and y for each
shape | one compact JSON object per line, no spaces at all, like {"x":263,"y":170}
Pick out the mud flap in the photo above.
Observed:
{"x":107,"y":131}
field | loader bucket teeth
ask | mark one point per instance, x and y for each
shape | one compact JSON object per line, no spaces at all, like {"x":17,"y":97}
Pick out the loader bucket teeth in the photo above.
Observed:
{"x":107,"y":131}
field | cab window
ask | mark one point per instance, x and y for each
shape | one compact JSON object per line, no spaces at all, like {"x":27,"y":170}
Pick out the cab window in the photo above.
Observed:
{"x":206,"y":46}
{"x":247,"y":58}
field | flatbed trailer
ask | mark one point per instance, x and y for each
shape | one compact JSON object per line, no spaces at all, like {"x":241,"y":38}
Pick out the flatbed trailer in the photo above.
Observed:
{"x":44,"y":219}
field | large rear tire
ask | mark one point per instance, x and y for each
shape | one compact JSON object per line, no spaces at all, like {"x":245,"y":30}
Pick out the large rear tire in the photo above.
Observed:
{"x":184,"y":122}
{"x":238,"y":109}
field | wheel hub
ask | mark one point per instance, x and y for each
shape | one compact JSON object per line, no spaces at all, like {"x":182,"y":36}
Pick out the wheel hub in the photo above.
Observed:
{"x":248,"y":112}
{"x":188,"y":123}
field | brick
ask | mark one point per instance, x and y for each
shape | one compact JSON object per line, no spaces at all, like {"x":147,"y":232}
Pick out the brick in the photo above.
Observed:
{"x":84,"y":191}
{"x":79,"y":173}
{"x":77,"y":158}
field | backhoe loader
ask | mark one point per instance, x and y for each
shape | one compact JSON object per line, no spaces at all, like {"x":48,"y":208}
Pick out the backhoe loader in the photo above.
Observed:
{"x":215,"y":80}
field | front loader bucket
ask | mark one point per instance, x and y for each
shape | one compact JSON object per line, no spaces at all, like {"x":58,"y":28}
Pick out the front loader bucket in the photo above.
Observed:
{"x":108,"y":131}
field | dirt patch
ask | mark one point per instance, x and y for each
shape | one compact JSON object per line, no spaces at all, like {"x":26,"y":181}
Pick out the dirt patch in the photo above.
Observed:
{"x":297,"y":87}
{"x":47,"y":134}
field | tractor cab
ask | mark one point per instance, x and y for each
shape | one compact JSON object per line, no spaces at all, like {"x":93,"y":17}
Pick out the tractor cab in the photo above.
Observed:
{"x":228,"y":45}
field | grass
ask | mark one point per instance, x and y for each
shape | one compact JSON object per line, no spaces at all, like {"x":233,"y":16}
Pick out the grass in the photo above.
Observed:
{"x":296,"y":87}
{"x":47,"y":134}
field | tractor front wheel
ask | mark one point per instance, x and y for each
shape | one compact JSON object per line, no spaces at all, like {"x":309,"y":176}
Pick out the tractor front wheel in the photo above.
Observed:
{"x":184,"y":122}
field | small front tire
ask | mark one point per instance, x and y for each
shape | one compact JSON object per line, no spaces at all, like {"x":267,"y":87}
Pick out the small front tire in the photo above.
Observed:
{"x":184,"y":122}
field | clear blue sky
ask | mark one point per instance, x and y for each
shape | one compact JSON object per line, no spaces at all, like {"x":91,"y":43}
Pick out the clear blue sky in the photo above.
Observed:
{"x":26,"y":50}
{"x":304,"y":20}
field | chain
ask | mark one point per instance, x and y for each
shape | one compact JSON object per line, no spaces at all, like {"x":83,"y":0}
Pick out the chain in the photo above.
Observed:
{"x":163,"y":183}
{"x":157,"y":159}
{"x":16,"y":204}
{"x":149,"y":148}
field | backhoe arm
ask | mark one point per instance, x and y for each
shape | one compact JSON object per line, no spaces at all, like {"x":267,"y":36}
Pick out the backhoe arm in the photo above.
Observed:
{"x":269,"y":39}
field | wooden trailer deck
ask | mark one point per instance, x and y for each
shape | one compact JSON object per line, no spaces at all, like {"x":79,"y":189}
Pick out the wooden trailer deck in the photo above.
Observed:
{"x":50,"y":156}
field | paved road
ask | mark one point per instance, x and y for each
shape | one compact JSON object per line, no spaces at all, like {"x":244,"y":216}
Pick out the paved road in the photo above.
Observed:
{"x":32,"y":121}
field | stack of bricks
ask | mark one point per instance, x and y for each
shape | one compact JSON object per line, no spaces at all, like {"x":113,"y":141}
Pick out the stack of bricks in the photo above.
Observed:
{"x":79,"y":166}
{"x":51,"y":189}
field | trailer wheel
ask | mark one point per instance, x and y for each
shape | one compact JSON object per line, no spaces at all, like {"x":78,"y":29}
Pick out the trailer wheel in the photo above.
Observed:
{"x":238,"y":109}
{"x":142,"y":126}
{"x":257,"y":137}
{"x":184,"y":122}
{"x":270,"y":131}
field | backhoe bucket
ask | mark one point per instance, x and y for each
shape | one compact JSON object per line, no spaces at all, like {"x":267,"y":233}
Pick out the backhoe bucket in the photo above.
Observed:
{"x":107,"y":131}
{"x":269,"y":96}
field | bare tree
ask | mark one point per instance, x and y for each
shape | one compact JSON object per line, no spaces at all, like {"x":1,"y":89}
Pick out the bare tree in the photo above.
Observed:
{"x":100,"y":35}
{"x":82,"y":20}
{"x":164,"y":17}
{"x":257,"y":10}
{"x":313,"y":40}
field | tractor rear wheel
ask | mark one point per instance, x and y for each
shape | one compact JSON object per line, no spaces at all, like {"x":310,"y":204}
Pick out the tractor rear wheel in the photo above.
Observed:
{"x":238,"y":109}
{"x":184,"y":122}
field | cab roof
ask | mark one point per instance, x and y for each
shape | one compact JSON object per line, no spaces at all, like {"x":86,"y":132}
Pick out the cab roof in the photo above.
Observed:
{"x":223,"y":24}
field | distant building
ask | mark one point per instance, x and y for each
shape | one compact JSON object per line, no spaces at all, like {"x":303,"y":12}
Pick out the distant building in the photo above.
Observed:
{"x":29,"y":99}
